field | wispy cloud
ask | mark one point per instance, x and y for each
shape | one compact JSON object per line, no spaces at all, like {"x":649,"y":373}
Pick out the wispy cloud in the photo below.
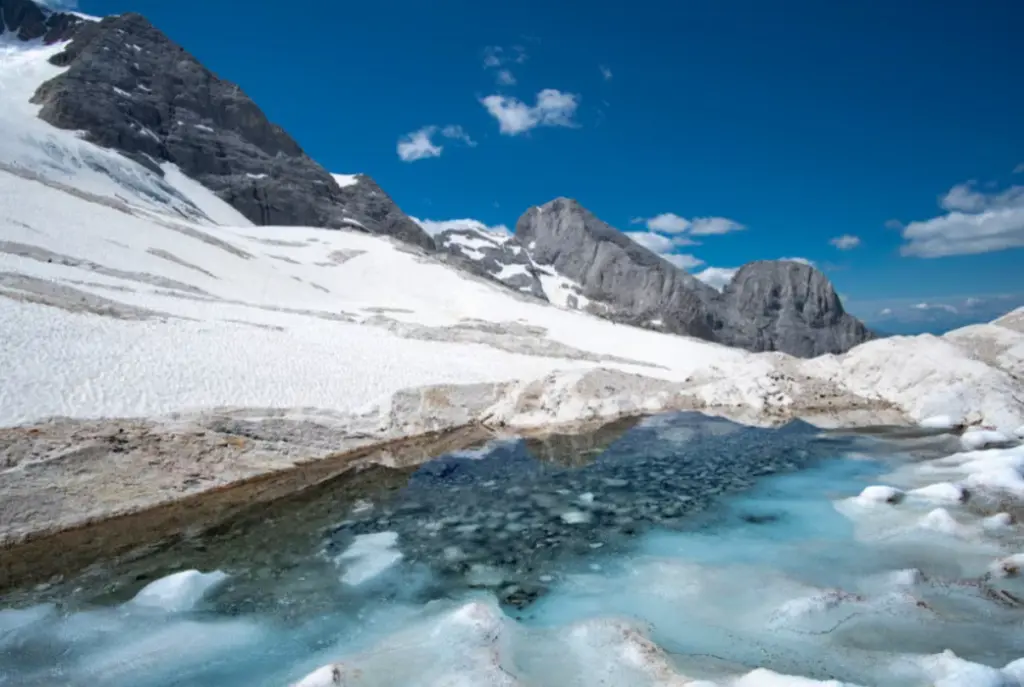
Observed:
{"x":497,"y":58}
{"x":802,"y":261}
{"x":665,"y":246}
{"x":975,"y":222}
{"x":457,"y":133}
{"x":553,"y":108}
{"x":606,"y":72}
{"x":1019,"y":169}
{"x":717,"y":277}
{"x":505,"y":77}
{"x":934,"y":314}
{"x":419,"y":144}
{"x":671,"y":223}
{"x":684,"y":261}
{"x":59,"y":4}
{"x":894,"y":224}
{"x":845,"y":242}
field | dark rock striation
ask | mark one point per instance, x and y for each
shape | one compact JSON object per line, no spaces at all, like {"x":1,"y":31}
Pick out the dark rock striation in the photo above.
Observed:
{"x":499,"y":257}
{"x":631,"y":284}
{"x":29,"y":21}
{"x":132,"y":89}
{"x":782,"y":305}
{"x":769,"y":305}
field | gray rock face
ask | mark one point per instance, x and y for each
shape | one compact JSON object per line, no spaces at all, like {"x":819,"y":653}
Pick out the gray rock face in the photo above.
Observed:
{"x":131,"y":88}
{"x":769,"y":306}
{"x":499,"y":257}
{"x":780,"y":305}
{"x":28,"y":21}
{"x":631,"y":284}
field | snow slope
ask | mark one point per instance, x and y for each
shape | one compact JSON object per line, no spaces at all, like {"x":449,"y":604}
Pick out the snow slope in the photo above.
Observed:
{"x":32,"y":146}
{"x":128,"y":293}
{"x":120,"y":312}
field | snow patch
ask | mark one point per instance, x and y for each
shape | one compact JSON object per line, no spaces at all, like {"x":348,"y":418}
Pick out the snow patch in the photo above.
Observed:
{"x":344,"y":180}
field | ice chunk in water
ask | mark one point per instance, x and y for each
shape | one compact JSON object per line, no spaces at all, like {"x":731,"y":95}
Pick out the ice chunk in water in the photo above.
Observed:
{"x":975,"y":439}
{"x":369,"y":556}
{"x":178,"y":592}
{"x":943,"y":492}
{"x":880,"y":494}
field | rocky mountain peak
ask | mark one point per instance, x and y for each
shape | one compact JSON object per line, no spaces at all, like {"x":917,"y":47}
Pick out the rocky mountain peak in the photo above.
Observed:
{"x":130,"y":88}
{"x":789,"y":306}
{"x":769,"y":305}
{"x":29,"y":21}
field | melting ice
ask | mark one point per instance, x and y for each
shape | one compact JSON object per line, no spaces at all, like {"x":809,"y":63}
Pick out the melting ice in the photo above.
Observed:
{"x":682,"y":551}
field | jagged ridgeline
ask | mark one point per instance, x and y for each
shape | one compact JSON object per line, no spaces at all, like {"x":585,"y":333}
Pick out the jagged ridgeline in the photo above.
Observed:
{"x":130,"y":88}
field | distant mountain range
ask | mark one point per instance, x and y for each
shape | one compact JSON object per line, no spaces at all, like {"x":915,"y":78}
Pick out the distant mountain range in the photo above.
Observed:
{"x":129,"y":88}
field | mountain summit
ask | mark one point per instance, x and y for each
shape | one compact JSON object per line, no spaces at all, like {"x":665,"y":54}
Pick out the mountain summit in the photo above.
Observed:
{"x":161,"y":121}
{"x":130,"y":88}
{"x":769,"y":305}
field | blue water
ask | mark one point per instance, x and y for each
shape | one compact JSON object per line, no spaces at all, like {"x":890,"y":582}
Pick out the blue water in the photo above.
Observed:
{"x":722,"y":541}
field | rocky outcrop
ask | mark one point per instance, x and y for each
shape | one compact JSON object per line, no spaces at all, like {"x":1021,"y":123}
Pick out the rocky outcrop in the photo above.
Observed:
{"x":782,"y":305}
{"x":494,"y":255}
{"x":769,"y":305}
{"x":626,"y":282}
{"x":28,"y":21}
{"x":132,"y":89}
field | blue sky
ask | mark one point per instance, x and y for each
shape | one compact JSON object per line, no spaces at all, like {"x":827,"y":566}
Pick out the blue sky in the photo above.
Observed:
{"x":737,"y":129}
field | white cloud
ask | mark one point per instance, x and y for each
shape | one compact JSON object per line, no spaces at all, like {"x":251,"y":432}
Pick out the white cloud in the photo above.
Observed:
{"x":457,"y":133}
{"x":936,"y":306}
{"x":435,"y":227}
{"x":553,"y":108}
{"x":665,"y":247}
{"x":975,"y":222}
{"x":893,"y":224}
{"x":717,"y":277}
{"x":418,"y":145}
{"x":713,"y":226}
{"x":505,"y":77}
{"x":671,"y":223}
{"x":885,"y":312}
{"x":59,"y":4}
{"x":803,"y":261}
{"x":493,"y":56}
{"x":496,"y":57}
{"x":845,"y":242}
{"x":683,"y":261}
{"x":1019,"y":169}
{"x":606,"y":73}
{"x":667,"y":222}
{"x":651,"y":241}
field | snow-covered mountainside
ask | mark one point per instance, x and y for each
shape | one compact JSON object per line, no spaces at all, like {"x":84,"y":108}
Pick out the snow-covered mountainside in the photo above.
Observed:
{"x":115,"y":82}
{"x":113,"y":310}
{"x":121,"y":83}
{"x":130,"y":289}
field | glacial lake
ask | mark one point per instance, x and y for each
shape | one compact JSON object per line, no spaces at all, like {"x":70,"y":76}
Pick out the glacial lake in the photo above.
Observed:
{"x":715,"y":548}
